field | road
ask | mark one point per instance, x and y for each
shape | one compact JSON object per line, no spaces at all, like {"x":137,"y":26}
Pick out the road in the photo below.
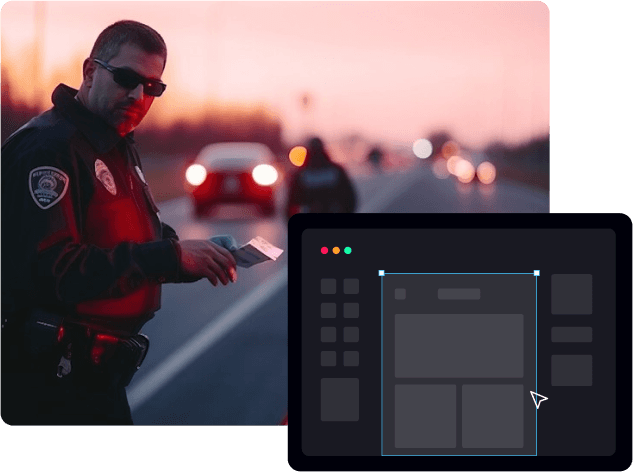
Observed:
{"x":218,"y":355}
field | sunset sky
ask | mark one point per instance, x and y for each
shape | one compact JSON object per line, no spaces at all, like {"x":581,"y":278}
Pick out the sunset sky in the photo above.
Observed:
{"x":388,"y":70}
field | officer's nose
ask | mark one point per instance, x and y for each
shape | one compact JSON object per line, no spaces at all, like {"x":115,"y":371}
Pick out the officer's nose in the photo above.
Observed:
{"x":136,"y":93}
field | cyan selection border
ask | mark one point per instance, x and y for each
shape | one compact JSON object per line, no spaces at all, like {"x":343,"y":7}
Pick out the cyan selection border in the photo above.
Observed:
{"x":381,"y":274}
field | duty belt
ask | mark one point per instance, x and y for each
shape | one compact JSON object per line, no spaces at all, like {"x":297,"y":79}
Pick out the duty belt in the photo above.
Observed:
{"x":106,"y":359}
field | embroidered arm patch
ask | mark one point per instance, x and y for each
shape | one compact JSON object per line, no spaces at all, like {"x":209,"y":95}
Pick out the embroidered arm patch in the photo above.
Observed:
{"x":47,"y":185}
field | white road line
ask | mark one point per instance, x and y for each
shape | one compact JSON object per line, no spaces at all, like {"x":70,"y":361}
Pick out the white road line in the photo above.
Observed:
{"x":391,"y":192}
{"x":210,"y":334}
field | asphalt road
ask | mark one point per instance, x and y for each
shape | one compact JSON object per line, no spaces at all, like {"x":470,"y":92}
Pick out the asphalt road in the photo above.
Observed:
{"x":218,"y":355}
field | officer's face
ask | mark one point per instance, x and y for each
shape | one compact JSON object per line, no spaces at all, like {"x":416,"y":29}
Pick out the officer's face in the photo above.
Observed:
{"x":122,"y":108}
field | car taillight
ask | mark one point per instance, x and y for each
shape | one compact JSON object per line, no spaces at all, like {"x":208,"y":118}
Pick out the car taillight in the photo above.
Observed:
{"x":265,"y":174}
{"x":196,"y":174}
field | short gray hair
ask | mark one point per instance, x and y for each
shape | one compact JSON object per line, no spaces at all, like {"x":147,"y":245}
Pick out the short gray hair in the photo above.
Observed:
{"x":109,"y":42}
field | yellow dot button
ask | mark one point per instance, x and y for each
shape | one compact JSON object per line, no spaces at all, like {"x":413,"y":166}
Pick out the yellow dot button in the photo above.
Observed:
{"x":336,"y":250}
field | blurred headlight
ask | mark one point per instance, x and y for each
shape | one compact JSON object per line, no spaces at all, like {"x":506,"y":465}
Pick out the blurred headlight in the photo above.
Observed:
{"x":464,"y":171}
{"x":196,"y":174}
{"x":451,"y":164}
{"x":298,"y":155}
{"x":265,"y":174}
{"x":486,"y":172}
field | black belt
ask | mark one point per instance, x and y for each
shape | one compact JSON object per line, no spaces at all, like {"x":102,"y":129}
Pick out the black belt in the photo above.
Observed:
{"x":48,"y":343}
{"x":104,"y":358}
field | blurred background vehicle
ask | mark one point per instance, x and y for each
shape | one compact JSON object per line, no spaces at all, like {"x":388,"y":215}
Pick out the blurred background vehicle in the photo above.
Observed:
{"x":233,"y":173}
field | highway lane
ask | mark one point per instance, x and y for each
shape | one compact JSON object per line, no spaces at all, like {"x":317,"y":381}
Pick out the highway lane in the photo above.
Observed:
{"x":218,"y":354}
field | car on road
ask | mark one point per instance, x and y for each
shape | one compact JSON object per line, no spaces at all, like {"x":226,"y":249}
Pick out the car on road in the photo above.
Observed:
{"x":236,"y":173}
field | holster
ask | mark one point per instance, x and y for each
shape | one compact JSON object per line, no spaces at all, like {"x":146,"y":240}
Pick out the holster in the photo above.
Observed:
{"x":117,"y":359}
{"x":130,"y":354}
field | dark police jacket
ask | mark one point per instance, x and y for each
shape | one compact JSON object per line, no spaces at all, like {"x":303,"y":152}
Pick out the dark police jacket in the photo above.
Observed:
{"x":81,"y":234}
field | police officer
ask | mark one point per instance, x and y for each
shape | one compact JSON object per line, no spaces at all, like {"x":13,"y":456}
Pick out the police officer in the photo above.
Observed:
{"x":320,"y":185}
{"x":84,"y":252}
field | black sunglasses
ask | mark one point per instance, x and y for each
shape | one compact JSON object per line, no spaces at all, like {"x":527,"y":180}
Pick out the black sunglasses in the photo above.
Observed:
{"x":129,"y":79}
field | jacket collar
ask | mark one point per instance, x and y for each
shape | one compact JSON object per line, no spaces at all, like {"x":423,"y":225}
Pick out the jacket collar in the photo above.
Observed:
{"x":101,"y":136}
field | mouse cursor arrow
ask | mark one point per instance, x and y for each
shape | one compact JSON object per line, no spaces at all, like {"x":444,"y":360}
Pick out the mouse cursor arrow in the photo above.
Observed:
{"x":537,"y":401}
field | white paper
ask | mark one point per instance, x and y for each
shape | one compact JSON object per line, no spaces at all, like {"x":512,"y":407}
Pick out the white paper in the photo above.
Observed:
{"x":255,"y":251}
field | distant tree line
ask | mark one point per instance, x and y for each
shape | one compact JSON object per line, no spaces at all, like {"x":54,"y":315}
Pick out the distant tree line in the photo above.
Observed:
{"x":178,"y":138}
{"x":14,"y":113}
{"x":185,"y":138}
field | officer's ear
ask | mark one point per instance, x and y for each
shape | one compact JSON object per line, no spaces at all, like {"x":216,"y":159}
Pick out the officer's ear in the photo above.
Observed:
{"x":89,"y":68}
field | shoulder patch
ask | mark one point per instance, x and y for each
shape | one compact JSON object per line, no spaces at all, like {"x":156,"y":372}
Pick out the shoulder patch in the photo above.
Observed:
{"x":105,"y":176}
{"x":47,"y":185}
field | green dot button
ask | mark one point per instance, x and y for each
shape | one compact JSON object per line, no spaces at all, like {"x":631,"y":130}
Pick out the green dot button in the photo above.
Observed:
{"x":348,"y":250}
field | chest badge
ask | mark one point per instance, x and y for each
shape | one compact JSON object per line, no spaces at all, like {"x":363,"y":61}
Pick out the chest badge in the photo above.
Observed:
{"x":47,"y":185}
{"x":140,"y":174}
{"x":105,"y":176}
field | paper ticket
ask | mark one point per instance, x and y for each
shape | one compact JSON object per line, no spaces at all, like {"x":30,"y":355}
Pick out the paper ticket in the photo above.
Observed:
{"x":255,"y":251}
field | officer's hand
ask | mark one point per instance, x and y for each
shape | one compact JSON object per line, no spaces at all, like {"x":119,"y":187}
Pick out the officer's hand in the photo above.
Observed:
{"x":205,"y":259}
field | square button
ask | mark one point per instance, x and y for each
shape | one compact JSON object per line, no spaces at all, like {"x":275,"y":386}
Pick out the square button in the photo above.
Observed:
{"x":381,"y":273}
{"x":328,"y":310}
{"x":401,"y":294}
{"x":572,"y":371}
{"x":571,"y":294}
{"x":537,"y":273}
{"x":492,"y":416}
{"x":350,"y":286}
{"x":350,"y":358}
{"x":350,"y":335}
{"x":328,"y":286}
{"x":339,"y":400}
{"x":328,"y":334}
{"x":350,"y":310}
{"x":328,"y":358}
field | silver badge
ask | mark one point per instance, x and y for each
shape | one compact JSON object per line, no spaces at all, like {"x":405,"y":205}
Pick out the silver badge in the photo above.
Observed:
{"x":47,"y":185}
{"x":140,"y":174}
{"x":105,"y":176}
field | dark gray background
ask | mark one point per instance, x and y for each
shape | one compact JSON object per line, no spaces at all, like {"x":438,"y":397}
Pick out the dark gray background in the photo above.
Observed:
{"x":576,"y":420}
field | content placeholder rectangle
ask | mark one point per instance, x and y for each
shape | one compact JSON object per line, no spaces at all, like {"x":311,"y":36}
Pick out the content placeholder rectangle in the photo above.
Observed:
{"x":459,"y":346}
{"x":572,"y":334}
{"x":458,"y":293}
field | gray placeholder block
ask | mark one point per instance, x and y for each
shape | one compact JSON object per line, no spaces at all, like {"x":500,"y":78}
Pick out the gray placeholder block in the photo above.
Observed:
{"x":328,"y":310}
{"x":572,"y":371}
{"x":328,"y":286}
{"x":571,"y":294}
{"x":328,"y":334}
{"x":350,"y":286}
{"x":459,"y":293}
{"x":339,"y":400}
{"x":400,"y":294}
{"x":351,"y":334}
{"x":492,"y":416}
{"x":350,"y":310}
{"x":459,"y":346}
{"x":572,"y":334}
{"x":425,"y":416}
{"x":328,"y":358}
{"x":350,"y":358}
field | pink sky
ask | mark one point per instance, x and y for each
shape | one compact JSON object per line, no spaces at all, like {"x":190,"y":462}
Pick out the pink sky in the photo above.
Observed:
{"x":389,"y":70}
